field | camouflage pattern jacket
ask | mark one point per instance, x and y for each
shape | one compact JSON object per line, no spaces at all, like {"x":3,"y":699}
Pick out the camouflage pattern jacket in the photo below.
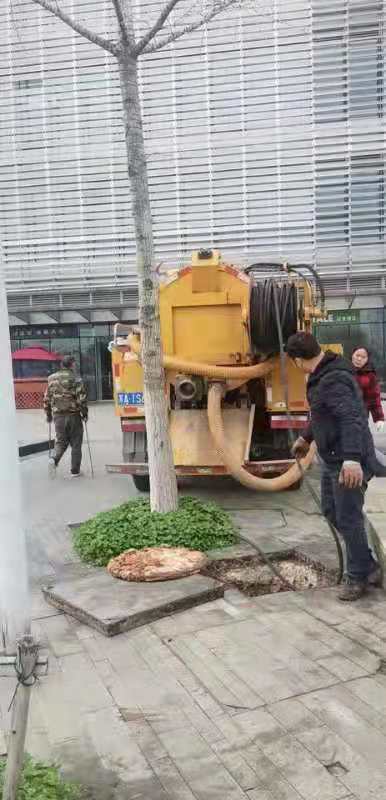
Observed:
{"x":65,"y":394}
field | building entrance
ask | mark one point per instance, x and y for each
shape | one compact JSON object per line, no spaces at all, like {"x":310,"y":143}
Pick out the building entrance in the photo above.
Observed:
{"x":87,"y":343}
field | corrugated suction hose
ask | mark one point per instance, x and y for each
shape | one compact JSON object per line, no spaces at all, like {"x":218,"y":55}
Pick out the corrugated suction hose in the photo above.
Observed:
{"x":207,"y":370}
{"x":293,"y":474}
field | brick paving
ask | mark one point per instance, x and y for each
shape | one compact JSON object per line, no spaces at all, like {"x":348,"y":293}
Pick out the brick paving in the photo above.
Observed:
{"x":281,"y":697}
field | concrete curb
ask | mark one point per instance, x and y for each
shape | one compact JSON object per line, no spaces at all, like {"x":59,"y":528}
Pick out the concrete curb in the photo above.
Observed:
{"x":35,"y":447}
{"x":111,"y":606}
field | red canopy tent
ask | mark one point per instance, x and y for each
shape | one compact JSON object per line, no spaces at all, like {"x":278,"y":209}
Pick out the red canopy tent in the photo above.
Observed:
{"x":35,"y":354}
{"x":31,"y":368}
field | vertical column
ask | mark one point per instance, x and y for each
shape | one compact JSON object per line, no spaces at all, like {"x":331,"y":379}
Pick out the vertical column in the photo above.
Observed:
{"x":14,"y":593}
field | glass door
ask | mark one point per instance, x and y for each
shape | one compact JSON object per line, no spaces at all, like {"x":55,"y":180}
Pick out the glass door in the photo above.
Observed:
{"x":105,"y":380}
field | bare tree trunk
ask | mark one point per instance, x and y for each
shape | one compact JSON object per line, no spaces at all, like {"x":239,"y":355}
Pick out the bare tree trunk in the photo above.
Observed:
{"x":163,"y":483}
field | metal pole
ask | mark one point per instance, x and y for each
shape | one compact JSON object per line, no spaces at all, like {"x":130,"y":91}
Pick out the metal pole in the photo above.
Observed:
{"x":89,"y":449}
{"x":14,"y":591}
{"x":25,"y":664}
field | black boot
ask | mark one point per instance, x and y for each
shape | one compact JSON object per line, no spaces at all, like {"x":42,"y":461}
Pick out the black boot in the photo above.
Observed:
{"x":352,"y":590}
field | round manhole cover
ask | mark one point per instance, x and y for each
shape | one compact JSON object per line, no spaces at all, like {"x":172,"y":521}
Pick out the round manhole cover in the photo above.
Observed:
{"x":156,"y":564}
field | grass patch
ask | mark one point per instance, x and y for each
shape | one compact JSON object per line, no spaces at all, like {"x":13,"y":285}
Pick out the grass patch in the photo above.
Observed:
{"x":42,"y":782}
{"x":197,"y":525}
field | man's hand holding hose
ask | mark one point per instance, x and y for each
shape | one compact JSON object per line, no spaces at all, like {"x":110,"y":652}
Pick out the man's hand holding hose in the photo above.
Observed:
{"x":300,"y":448}
{"x":351,"y":474}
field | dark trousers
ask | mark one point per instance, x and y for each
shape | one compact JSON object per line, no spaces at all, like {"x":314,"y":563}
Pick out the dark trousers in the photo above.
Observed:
{"x":69,"y":431}
{"x":344,"y":509}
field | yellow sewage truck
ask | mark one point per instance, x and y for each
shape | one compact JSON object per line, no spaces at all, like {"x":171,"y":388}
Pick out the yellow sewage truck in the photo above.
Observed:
{"x":230,"y":408}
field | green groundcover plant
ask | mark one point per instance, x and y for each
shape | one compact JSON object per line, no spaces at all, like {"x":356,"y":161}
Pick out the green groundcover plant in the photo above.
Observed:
{"x":42,"y":782}
{"x":197,"y":525}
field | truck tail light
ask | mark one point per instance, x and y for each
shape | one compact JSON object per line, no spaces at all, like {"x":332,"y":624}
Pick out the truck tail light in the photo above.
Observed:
{"x":133,"y":425}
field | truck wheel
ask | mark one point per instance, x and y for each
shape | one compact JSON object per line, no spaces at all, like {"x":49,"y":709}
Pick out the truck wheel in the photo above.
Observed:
{"x":141,"y":483}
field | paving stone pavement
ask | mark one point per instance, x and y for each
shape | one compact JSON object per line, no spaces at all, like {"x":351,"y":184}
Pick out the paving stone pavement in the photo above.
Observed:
{"x":276,"y":697}
{"x":281,"y":697}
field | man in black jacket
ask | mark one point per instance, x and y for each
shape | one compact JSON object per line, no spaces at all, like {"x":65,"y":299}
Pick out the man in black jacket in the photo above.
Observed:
{"x":339,"y":427}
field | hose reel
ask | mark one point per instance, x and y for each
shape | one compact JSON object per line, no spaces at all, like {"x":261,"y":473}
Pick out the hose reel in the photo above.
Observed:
{"x":262,"y":322}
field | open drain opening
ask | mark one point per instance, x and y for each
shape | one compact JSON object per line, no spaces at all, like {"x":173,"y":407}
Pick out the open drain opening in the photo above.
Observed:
{"x":252,"y":576}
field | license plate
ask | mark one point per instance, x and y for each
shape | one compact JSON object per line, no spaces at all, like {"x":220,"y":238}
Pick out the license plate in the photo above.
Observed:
{"x":130,"y":398}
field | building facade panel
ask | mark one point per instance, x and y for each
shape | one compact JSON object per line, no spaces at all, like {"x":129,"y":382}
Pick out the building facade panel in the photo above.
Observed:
{"x":265,"y":135}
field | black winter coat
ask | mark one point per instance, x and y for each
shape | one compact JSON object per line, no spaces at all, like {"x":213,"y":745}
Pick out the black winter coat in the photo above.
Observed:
{"x":339,"y":424}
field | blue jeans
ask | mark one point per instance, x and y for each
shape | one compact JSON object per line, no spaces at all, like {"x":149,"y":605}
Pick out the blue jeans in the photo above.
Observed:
{"x":344,"y":509}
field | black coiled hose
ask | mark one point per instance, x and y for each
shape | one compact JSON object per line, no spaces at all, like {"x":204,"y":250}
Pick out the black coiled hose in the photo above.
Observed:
{"x":263,"y":328}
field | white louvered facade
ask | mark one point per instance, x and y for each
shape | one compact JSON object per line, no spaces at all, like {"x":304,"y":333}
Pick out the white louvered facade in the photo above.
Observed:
{"x":265,"y":135}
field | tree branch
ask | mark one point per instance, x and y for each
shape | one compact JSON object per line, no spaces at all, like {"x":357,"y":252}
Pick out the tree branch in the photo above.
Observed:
{"x":218,"y":7}
{"x":120,"y":17}
{"x":95,"y":38}
{"x":165,"y":13}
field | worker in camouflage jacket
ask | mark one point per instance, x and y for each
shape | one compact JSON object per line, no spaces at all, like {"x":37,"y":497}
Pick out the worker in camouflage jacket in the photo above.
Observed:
{"x":65,"y":403}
